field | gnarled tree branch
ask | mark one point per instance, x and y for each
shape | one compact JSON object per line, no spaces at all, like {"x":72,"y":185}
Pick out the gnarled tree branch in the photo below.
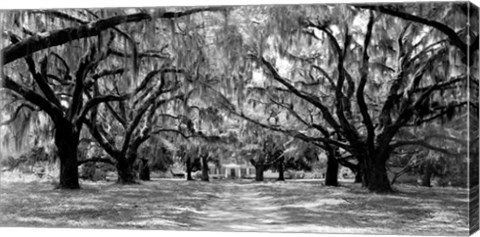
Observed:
{"x":58,"y":37}
{"x":449,"y":32}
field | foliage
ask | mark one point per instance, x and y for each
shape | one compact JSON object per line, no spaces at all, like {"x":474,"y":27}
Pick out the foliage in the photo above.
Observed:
{"x":158,"y":156}
{"x":326,"y":85}
{"x":199,"y":77}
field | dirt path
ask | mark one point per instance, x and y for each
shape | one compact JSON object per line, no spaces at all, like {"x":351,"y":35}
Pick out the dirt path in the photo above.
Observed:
{"x":259,"y":207}
{"x":239,"y":207}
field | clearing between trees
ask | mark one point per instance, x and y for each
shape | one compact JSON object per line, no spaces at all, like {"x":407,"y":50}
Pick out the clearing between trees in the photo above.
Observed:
{"x":291,"y":206}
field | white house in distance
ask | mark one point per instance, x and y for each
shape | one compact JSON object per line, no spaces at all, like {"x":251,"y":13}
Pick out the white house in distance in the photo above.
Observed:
{"x":232,"y":169}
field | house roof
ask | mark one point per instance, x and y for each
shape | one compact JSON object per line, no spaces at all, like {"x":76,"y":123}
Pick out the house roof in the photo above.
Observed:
{"x":233,"y":165}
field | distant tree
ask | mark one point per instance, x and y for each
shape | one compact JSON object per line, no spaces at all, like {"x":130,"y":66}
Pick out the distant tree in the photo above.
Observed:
{"x":157,"y":155}
{"x":294,"y":154}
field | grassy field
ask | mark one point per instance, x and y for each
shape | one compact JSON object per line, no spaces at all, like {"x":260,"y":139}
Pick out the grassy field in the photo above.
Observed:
{"x":292,"y":206}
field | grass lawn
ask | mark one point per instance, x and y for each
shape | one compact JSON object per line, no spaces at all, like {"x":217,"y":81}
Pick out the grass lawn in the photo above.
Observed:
{"x":292,"y":206}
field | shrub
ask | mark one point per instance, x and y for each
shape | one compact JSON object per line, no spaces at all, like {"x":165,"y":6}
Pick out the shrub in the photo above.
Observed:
{"x":93,"y":172}
{"x":9,"y":163}
{"x":41,"y":172}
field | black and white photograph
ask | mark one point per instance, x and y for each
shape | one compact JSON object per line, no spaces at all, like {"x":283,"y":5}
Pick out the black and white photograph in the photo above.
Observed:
{"x":313,"y":118}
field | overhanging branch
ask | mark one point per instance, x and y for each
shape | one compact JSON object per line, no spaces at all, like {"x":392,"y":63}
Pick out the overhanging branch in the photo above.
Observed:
{"x":98,"y":100}
{"x":170,"y":15}
{"x":58,"y":37}
{"x":31,"y":96}
{"x":314,"y":101}
{"x":451,"y":34}
{"x":97,"y":159}
{"x":423,"y":143}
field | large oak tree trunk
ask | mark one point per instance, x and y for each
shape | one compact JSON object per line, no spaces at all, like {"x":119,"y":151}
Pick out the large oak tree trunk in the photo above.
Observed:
{"x":259,"y":172}
{"x":126,"y":172}
{"x":204,"y":169}
{"x":374,"y":171}
{"x":281,"y":170}
{"x":363,"y":171}
{"x":377,"y":178}
{"x":331,"y":178}
{"x":66,"y":140}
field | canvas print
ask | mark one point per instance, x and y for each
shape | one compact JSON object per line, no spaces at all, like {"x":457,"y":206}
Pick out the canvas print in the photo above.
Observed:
{"x":308,"y":118}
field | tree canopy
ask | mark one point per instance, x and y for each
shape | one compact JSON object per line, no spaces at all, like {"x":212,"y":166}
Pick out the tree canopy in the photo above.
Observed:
{"x":358,"y":82}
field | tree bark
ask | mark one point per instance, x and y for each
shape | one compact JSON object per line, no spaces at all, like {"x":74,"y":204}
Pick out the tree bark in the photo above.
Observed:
{"x":66,"y":140}
{"x":377,"y":179}
{"x":363,"y":171}
{"x":449,"y":32}
{"x":58,"y":37}
{"x":280,"y":168}
{"x":331,"y":178}
{"x":144,"y":173}
{"x":358,"y":175}
{"x":205,"y":169}
{"x":189,"y":165}
{"x":125,"y":171}
{"x":259,"y":172}
{"x":427,"y":175}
